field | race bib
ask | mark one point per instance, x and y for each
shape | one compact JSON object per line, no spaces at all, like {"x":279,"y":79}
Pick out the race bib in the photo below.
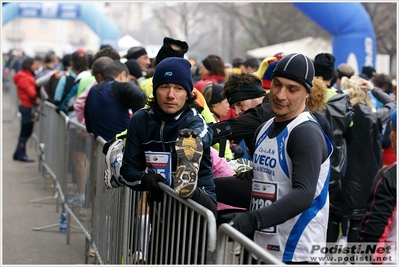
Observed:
{"x":160,"y":163}
{"x":264,"y":194}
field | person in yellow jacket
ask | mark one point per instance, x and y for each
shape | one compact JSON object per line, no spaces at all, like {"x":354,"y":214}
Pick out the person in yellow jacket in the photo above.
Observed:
{"x":266,"y":68}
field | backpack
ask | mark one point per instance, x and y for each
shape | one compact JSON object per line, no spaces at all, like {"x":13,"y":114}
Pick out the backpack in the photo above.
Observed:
{"x":339,"y":113}
{"x":70,"y":91}
{"x":54,"y":79}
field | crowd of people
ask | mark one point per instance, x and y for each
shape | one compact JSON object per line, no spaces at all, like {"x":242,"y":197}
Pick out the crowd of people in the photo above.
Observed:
{"x":290,"y":151}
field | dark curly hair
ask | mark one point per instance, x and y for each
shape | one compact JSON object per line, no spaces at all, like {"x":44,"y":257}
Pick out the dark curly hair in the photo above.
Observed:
{"x":236,"y":80}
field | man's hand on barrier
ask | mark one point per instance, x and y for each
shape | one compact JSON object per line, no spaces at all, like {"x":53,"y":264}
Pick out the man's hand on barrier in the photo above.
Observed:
{"x":248,"y":175}
{"x":245,"y":222}
{"x":150,"y":182}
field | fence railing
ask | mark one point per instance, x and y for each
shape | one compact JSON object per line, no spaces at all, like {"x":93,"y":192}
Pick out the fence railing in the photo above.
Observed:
{"x":121,"y":225}
{"x":235,"y":248}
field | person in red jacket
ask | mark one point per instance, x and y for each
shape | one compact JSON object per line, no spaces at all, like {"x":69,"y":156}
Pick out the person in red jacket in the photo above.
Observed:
{"x":26,"y":89}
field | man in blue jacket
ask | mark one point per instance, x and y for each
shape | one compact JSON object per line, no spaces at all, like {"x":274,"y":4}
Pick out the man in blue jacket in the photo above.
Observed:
{"x":171,"y":127}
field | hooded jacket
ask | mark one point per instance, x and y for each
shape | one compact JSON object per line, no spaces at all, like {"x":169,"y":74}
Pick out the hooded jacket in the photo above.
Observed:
{"x":364,"y":161}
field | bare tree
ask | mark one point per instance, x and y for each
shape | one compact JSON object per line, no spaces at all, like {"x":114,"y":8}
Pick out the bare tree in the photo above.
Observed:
{"x":384,"y":18}
{"x":183,"y":21}
{"x":271,"y":23}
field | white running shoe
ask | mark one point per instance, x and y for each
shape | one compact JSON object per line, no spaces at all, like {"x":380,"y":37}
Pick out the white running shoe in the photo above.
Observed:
{"x":114,"y":162}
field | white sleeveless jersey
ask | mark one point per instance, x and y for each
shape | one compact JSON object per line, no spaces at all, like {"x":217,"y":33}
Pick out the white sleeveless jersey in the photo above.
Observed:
{"x":293,"y":239}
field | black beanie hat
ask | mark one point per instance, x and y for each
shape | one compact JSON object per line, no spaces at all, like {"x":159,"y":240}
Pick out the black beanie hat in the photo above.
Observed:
{"x":296,"y":67}
{"x":135,"y":52}
{"x":324,"y":65}
{"x":217,"y":96}
{"x":173,"y":70}
{"x":167,"y":50}
{"x":134,"y":68}
{"x":369,"y":71}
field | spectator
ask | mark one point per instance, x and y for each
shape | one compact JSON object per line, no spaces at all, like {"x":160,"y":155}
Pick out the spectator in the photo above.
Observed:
{"x":211,"y":69}
{"x":140,"y":54}
{"x":251,"y":104}
{"x":384,"y":82}
{"x":338,"y":112}
{"x":343,"y":70}
{"x":216,"y":102}
{"x":219,"y":106}
{"x":364,"y":155}
{"x":315,"y":104}
{"x":266,"y":69}
{"x":66,"y":92}
{"x":98,"y":69}
{"x":118,"y":95}
{"x":238,"y":64}
{"x":368,"y":72}
{"x":27,"y":95}
{"x":135,"y":72}
{"x":50,"y":61}
{"x":292,"y":170}
{"x":251,"y":64}
{"x":379,"y":225}
{"x":98,"y":74}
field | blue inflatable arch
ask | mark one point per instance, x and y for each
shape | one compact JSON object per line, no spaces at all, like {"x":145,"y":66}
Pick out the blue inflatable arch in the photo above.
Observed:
{"x":85,"y":11}
{"x":353,"y":37}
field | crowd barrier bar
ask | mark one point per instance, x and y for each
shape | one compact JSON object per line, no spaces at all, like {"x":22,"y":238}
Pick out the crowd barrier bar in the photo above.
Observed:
{"x":242,"y":250}
{"x":53,"y":134}
{"x":77,"y":183}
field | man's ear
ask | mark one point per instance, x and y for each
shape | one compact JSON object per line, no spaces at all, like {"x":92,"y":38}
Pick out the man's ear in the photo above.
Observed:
{"x":98,"y":77}
{"x":122,"y":76}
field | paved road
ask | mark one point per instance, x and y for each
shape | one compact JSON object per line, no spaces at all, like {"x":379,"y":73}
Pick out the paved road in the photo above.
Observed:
{"x":21,"y":245}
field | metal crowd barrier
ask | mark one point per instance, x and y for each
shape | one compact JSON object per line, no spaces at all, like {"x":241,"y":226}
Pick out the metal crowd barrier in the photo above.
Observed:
{"x":125,"y":230}
{"x":12,"y":106}
{"x":235,"y":248}
{"x":106,"y":212}
{"x":77,"y":186}
{"x":121,"y":225}
{"x":53,"y":161}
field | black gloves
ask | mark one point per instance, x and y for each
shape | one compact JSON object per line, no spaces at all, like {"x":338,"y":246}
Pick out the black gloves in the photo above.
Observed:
{"x":150,"y":182}
{"x":187,"y":132}
{"x":245,"y":222}
{"x":238,"y":152}
{"x":248,"y":175}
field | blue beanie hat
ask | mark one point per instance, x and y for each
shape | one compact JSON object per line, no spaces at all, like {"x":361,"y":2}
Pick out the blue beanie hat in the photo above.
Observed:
{"x":173,"y":70}
{"x":296,"y":67}
{"x":393,"y":118}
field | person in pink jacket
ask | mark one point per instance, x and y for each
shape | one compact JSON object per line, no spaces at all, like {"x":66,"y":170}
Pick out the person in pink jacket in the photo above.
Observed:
{"x":25,"y":83}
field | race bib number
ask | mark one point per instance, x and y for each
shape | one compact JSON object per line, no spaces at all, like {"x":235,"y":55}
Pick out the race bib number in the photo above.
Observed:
{"x":160,"y":163}
{"x":264,"y":194}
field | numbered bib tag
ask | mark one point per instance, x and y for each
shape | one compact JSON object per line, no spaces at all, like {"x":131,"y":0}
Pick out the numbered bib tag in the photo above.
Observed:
{"x":160,"y":163}
{"x":264,"y":194}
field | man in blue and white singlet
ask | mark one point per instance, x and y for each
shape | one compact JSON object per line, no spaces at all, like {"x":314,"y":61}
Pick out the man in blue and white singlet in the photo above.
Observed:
{"x":291,"y":162}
